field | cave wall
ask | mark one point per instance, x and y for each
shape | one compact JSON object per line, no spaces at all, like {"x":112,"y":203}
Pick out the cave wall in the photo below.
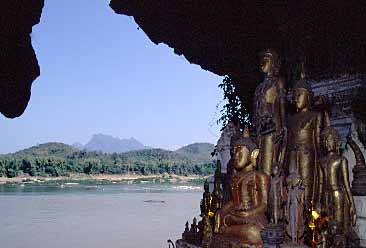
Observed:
{"x":18,"y":62}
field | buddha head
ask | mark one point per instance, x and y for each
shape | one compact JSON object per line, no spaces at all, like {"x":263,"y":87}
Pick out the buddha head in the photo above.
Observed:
{"x":302,"y":94}
{"x":206,"y":186}
{"x":245,"y":152}
{"x":331,"y":140}
{"x":270,"y":62}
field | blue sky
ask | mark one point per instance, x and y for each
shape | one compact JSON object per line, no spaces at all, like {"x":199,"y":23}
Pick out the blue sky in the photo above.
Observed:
{"x":101,"y":74}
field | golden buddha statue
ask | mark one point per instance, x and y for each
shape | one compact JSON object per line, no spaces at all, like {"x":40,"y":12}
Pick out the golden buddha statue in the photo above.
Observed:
{"x":243,"y":217}
{"x":304,"y":141}
{"x":217,"y":197}
{"x":206,"y":200}
{"x":294,"y":210}
{"x":207,"y":232}
{"x":336,"y":198}
{"x":269,"y":113}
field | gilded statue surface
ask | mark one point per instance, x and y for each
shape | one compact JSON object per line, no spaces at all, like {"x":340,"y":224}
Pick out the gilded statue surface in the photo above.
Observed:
{"x":301,"y":185}
{"x":269,"y":112}
{"x":207,"y":232}
{"x":276,"y":196}
{"x":336,"y":198}
{"x":304,"y":140}
{"x":206,"y":200}
{"x":243,"y":217}
{"x":217,"y":195}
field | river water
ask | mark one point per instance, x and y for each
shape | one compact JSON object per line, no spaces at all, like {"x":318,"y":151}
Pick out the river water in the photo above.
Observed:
{"x":103,"y":216}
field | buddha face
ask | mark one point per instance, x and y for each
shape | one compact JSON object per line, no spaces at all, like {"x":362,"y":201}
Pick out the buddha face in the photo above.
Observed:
{"x":241,"y":157}
{"x":267,"y":64}
{"x":301,"y":98}
{"x":330,"y":143}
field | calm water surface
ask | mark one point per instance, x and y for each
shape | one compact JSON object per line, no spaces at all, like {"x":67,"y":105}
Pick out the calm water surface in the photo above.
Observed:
{"x":108,"y":216}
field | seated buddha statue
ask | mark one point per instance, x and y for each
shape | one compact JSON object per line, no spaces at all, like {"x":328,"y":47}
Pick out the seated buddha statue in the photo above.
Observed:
{"x":243,"y":217}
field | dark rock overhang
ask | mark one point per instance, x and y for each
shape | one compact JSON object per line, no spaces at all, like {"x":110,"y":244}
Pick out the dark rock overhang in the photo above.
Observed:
{"x":18,"y":62}
{"x":225,"y":37}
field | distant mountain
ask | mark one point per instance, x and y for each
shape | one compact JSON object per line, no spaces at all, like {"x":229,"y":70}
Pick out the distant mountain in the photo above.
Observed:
{"x":78,"y":146}
{"x":109,"y":144}
{"x":198,"y":152}
{"x":58,"y":159}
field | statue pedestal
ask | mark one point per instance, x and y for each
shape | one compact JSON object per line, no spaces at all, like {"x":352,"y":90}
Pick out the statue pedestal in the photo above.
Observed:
{"x":180,"y":243}
{"x":222,"y":241}
{"x":293,"y":246}
{"x":272,"y":235}
{"x":360,"y":202}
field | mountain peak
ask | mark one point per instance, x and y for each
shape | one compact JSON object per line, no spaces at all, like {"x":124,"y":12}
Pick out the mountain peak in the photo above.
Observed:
{"x":109,"y":144}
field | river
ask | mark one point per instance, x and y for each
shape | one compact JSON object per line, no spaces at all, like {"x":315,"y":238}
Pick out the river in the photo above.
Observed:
{"x":89,"y":216}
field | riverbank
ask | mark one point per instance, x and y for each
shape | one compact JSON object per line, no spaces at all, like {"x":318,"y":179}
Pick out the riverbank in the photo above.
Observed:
{"x":105,"y":179}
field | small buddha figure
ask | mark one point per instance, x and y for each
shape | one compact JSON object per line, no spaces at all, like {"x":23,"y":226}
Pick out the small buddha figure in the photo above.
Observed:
{"x":336,"y":198}
{"x":294,"y":210}
{"x":186,"y":231}
{"x":304,"y":141}
{"x":194,"y":226}
{"x":207,"y":232}
{"x":275,"y":196}
{"x":206,"y":200}
{"x":224,"y":155}
{"x":243,"y":217}
{"x":269,"y":113}
{"x":217,"y":197}
{"x":193,"y":236}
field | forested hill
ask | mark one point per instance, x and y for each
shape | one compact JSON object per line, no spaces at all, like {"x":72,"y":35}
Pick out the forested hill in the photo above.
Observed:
{"x":58,"y":159}
{"x":197,"y":151}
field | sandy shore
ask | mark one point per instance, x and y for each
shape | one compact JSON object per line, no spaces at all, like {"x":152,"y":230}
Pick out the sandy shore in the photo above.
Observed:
{"x":104,"y":177}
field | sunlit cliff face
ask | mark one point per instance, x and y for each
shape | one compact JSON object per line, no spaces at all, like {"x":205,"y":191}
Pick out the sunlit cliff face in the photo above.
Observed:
{"x":241,"y":157}
{"x":267,"y":64}
{"x":301,"y":98}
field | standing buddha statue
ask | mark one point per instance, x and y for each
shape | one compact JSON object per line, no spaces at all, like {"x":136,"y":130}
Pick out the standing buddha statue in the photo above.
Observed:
{"x":217,"y":196}
{"x":206,"y":200}
{"x":242,"y":218}
{"x":304,"y":142}
{"x":336,"y":197}
{"x":269,"y":112}
{"x":294,"y":210}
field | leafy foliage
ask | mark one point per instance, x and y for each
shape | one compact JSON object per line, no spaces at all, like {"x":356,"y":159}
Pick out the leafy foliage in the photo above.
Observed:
{"x":57,"y":159}
{"x":234,"y":109}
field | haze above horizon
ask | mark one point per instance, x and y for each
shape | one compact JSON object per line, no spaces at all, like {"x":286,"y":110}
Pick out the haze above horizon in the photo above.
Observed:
{"x":101,"y":74}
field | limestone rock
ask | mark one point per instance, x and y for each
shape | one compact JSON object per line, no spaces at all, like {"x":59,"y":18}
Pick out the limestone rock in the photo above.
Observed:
{"x":18,"y":62}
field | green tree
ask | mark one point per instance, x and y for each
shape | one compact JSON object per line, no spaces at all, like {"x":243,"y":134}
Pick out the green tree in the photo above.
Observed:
{"x":233,"y":110}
